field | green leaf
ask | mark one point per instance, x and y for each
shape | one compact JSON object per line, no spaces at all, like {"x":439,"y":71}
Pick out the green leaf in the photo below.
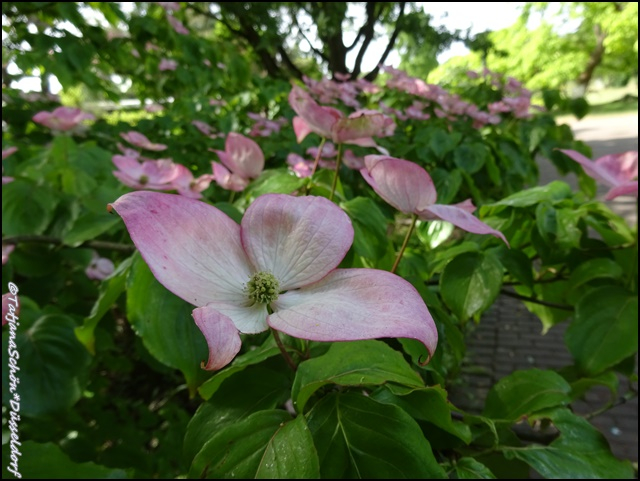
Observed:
{"x":290,"y":454}
{"x":579,"y":107}
{"x":517,"y":264}
{"x":256,"y":389}
{"x":580,"y":451}
{"x":470,"y":283}
{"x":245,"y":449}
{"x":110,"y":291}
{"x":52,"y":363}
{"x":369,"y":225}
{"x":525,"y":392}
{"x":591,"y":269}
{"x":89,"y":226}
{"x":553,"y":292}
{"x":357,"y":437}
{"x":26,"y":208}
{"x":425,"y":404}
{"x":447,"y":184}
{"x":469,"y":468}
{"x":241,"y":362}
{"x":48,"y":461}
{"x":275,"y":181}
{"x":554,"y":191}
{"x":359,"y":363}
{"x":471,"y":157}
{"x":441,"y":141}
{"x":605,"y":329}
{"x":164,"y":323}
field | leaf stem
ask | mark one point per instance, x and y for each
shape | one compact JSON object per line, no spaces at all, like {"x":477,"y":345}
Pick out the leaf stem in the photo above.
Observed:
{"x":414,"y":218}
{"x":37,"y":239}
{"x":283,"y":350}
{"x":337,"y":172}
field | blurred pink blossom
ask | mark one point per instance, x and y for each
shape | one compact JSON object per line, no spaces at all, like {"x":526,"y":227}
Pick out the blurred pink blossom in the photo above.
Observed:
{"x":241,"y":160}
{"x":6,"y":153}
{"x":166,"y":64}
{"x":150,"y":174}
{"x":170,"y":6}
{"x":189,"y":186}
{"x":140,"y":140}
{"x":62,"y":118}
{"x":153,"y":108}
{"x":177,"y":25}
{"x":6,"y":250}
{"x":99,"y":268}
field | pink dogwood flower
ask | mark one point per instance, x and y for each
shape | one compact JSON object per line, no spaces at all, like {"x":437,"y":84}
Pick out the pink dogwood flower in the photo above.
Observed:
{"x":177,"y":25}
{"x":99,"y":268}
{"x":189,"y":186}
{"x":409,"y":188}
{"x":62,"y":118}
{"x":331,"y":123}
{"x":241,"y":160}
{"x":140,"y":140}
{"x":166,"y":64}
{"x":276,"y":269}
{"x":150,"y":174}
{"x":618,"y":171}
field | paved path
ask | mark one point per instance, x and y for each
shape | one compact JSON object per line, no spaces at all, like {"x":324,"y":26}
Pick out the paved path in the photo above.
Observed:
{"x":509,"y":337}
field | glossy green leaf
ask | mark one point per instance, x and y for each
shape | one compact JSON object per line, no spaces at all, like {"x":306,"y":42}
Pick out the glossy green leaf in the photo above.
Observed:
{"x":517,"y":264}
{"x":447,"y":184}
{"x":357,"y":437}
{"x":601,"y":267}
{"x":52,"y":366}
{"x":240,"y":363}
{"x":359,"y":363}
{"x":525,"y":392}
{"x":369,"y":225}
{"x":89,"y":226}
{"x":469,"y":468}
{"x":470,"y":157}
{"x":26,"y":208}
{"x":426,"y":404}
{"x":580,"y":451}
{"x":605,"y":329}
{"x":276,"y":181}
{"x":164,"y":323}
{"x":553,"y":191}
{"x":470,"y":283}
{"x":48,"y":461}
{"x":255,"y":389}
{"x":441,"y":141}
{"x":265,"y":444}
{"x":110,"y":291}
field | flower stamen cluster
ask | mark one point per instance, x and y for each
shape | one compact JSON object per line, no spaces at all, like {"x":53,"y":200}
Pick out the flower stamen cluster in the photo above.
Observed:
{"x":263,"y":287}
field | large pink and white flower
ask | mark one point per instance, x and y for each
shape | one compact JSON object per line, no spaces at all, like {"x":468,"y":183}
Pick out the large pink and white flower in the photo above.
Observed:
{"x":276,"y":269}
{"x":141,"y":141}
{"x":150,"y":174}
{"x":409,"y":188}
{"x":242,"y":160}
{"x":62,"y":118}
{"x":618,"y":171}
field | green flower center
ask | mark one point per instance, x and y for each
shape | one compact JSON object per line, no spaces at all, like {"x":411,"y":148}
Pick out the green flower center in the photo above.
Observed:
{"x":143,"y":179}
{"x":263,"y":287}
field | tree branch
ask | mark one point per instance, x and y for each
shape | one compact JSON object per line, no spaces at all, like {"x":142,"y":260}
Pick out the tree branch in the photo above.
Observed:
{"x":515,"y":295}
{"x":374,"y":73}
{"x":315,"y":50}
{"x":368,"y":29}
{"x":37,"y":239}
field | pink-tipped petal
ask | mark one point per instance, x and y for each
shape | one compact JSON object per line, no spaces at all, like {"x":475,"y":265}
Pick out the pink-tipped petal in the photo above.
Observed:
{"x":460,"y":218}
{"x":628,"y":188}
{"x":301,"y":128}
{"x":319,"y":119}
{"x":228,"y":180}
{"x":221,"y":335}
{"x":244,"y":156}
{"x":622,"y":167}
{"x":192,"y":248}
{"x":297,"y":239}
{"x":403,"y":184}
{"x":591,"y":168}
{"x":355,"y":304}
{"x":360,"y":127}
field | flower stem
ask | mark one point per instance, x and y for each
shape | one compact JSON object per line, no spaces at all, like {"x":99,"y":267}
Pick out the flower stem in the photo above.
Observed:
{"x":317,"y":159}
{"x":414,"y":218}
{"x":232,"y":196}
{"x":283,"y":350}
{"x":336,"y":174}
